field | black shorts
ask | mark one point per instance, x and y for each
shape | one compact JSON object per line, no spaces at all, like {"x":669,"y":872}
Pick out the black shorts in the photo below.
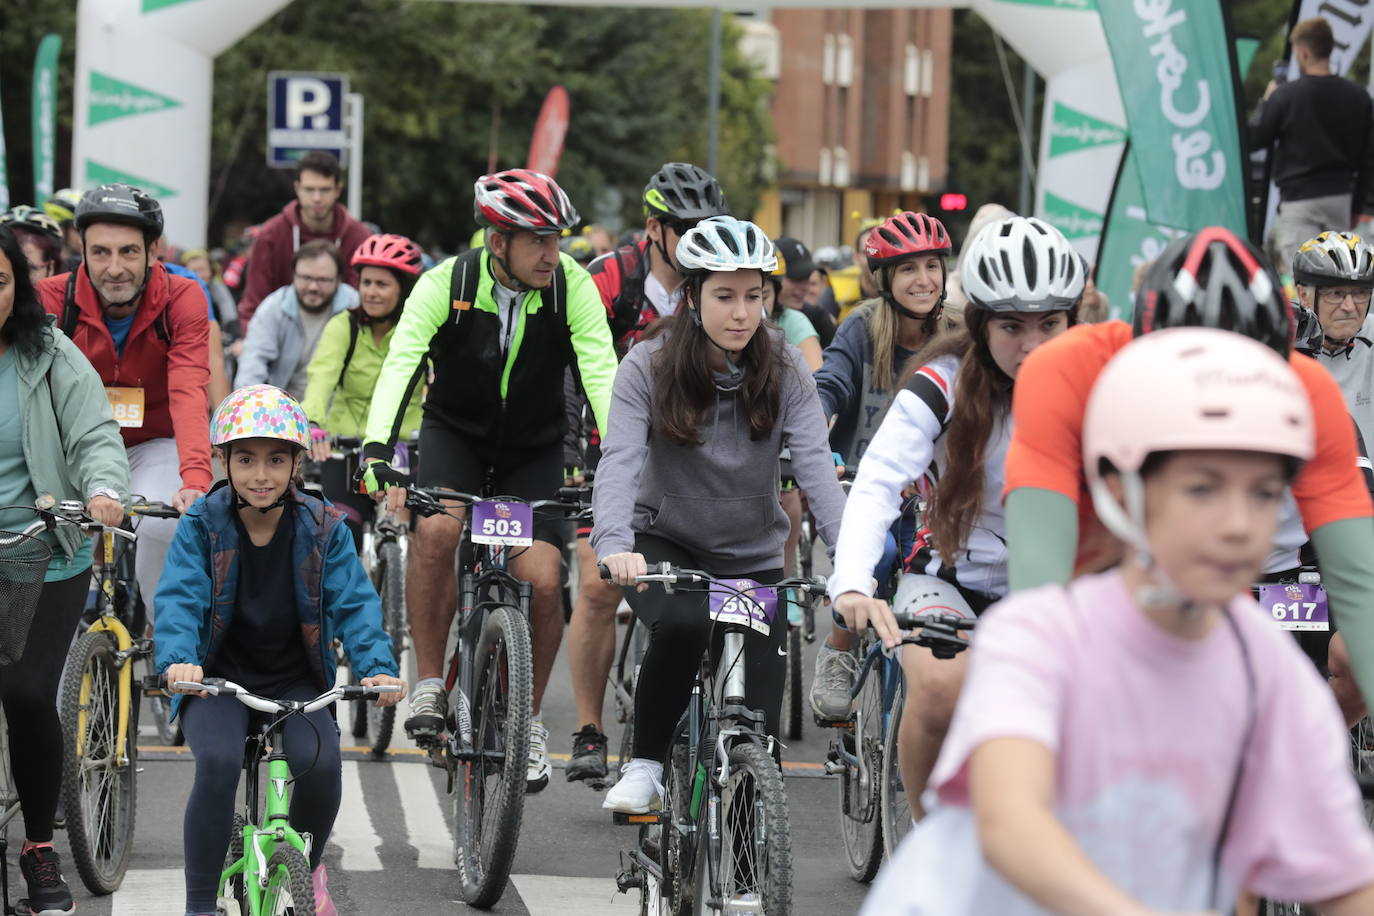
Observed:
{"x":449,"y":462}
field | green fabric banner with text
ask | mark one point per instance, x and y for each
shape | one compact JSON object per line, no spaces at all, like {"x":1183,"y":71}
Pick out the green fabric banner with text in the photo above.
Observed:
{"x":1175,"y":65}
{"x":44,"y":115}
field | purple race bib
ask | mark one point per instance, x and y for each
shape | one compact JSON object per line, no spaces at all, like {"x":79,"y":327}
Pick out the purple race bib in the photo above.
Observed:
{"x":503,"y":523}
{"x":1296,"y":606}
{"x":754,"y":609}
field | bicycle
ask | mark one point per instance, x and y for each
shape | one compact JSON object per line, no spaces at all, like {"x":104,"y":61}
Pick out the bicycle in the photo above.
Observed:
{"x":385,"y":539}
{"x":490,"y":681}
{"x":801,"y":617}
{"x":623,"y":681}
{"x":722,"y":843}
{"x":269,"y":871}
{"x":99,"y":708}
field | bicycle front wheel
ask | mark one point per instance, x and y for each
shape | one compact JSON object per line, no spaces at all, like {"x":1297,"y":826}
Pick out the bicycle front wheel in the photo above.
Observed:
{"x":860,"y":824}
{"x":794,"y":697}
{"x":381,"y":720}
{"x":755,"y":839}
{"x":490,"y":796}
{"x":896,"y":810}
{"x":289,"y":889}
{"x":98,"y":778}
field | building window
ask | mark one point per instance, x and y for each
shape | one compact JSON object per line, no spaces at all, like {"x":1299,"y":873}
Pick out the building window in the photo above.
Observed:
{"x":923,"y":174}
{"x":908,"y":177}
{"x":911,"y":71}
{"x":824,"y":172}
{"x":841,"y":167}
{"x":844,"y":61}
{"x":828,"y":60}
{"x":927,"y":72}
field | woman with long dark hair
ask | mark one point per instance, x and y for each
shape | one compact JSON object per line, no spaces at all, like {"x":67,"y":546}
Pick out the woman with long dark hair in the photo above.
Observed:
{"x":343,"y":372}
{"x":949,"y":428}
{"x":689,"y":475}
{"x":58,"y":441}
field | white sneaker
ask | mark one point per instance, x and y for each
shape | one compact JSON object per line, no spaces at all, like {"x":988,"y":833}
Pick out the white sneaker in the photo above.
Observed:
{"x":639,"y":790}
{"x":537,"y":766}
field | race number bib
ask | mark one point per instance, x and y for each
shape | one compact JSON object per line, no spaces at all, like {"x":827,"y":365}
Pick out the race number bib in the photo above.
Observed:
{"x":755,"y":608}
{"x":510,"y":524}
{"x":127,"y":404}
{"x":1296,"y":606}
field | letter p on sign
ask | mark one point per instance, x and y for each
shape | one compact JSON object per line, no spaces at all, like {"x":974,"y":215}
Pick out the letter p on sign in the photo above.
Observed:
{"x":307,"y":103}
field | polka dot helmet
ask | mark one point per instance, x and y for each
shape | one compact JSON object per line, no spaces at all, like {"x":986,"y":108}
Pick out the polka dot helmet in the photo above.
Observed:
{"x":260,"y":412}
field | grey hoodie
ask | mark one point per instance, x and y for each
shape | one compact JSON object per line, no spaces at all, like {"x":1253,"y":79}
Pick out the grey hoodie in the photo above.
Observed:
{"x":718,"y":500}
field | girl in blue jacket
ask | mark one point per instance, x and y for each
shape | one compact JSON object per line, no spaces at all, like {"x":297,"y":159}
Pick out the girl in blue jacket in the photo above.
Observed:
{"x":236,"y":555}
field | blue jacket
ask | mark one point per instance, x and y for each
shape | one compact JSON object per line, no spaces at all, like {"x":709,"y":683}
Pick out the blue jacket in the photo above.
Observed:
{"x":197,"y":593}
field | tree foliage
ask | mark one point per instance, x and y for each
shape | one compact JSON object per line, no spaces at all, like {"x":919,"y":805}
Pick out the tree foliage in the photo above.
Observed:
{"x":22,"y":24}
{"x":433,"y":74}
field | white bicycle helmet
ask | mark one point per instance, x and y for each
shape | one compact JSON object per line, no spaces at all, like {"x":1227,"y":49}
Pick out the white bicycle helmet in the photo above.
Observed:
{"x":921,"y":594}
{"x":723,"y":243}
{"x":1022,"y":264}
{"x":1334,"y":259}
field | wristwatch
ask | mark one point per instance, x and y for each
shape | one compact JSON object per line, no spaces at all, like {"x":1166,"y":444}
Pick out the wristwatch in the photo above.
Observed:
{"x":107,"y":493}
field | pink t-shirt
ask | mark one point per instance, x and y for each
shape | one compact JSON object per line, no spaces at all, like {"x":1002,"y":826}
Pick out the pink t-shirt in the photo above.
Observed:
{"x":1146,"y":728}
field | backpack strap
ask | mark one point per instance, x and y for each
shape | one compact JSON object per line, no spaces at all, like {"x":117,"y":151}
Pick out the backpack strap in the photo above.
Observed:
{"x":354,"y":325}
{"x":629,"y":302}
{"x":462,"y":287}
{"x":70,"y":312}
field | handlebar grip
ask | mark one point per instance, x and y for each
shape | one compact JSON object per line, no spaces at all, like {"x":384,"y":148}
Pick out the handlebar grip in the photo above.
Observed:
{"x":605,"y":572}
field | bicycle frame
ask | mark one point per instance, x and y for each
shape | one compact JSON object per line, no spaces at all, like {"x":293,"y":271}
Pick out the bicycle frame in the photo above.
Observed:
{"x":260,"y":842}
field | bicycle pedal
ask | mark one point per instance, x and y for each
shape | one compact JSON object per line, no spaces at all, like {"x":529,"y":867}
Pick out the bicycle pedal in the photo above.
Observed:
{"x":822,"y":722}
{"x":623,"y":819}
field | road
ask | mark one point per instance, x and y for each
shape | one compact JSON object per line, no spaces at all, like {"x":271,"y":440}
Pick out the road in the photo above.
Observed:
{"x":392,"y":846}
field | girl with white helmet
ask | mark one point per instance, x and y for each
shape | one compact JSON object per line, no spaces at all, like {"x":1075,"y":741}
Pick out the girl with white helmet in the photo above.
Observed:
{"x":949,"y":428}
{"x":260,"y":579}
{"x":1124,"y":743}
{"x":689,"y":475}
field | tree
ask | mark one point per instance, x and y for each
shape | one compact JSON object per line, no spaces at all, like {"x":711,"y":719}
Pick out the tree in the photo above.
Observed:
{"x":22,"y":24}
{"x":434,"y":73}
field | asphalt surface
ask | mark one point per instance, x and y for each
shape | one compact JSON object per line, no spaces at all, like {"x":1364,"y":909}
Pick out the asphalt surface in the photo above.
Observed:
{"x":392,"y":846}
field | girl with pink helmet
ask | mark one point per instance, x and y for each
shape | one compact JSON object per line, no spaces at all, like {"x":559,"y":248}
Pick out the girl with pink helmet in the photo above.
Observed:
{"x":1125,"y":744}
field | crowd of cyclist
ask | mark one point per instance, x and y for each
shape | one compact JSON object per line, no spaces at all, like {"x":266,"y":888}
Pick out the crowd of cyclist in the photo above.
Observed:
{"x":1118,"y":739}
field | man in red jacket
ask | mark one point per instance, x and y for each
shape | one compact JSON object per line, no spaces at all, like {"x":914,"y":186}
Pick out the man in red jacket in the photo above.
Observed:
{"x":315,"y":214}
{"x":146,"y":332}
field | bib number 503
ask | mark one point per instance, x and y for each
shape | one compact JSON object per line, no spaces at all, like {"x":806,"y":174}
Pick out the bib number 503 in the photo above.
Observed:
{"x":503,"y":527}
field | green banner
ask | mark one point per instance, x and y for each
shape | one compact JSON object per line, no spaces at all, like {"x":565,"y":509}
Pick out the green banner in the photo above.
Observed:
{"x":1084,"y":5}
{"x":1069,"y":218}
{"x":1129,"y":238}
{"x":98,"y":173}
{"x":4,"y":170}
{"x":1072,"y":130}
{"x":1173,"y":62}
{"x":43,"y":113}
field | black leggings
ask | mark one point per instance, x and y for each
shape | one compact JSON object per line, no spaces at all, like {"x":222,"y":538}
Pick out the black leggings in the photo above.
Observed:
{"x":28,"y":689}
{"x":679,"y":626}
{"x":215,"y":729}
{"x":338,"y":486}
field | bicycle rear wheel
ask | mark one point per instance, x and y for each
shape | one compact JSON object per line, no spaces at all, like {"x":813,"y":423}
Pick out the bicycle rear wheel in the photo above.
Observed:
{"x":289,"y":888}
{"x":98,"y":781}
{"x":860,"y":820}
{"x":755,"y":839}
{"x":490,"y":797}
{"x":675,"y":838}
{"x":896,"y":810}
{"x":794,"y":698}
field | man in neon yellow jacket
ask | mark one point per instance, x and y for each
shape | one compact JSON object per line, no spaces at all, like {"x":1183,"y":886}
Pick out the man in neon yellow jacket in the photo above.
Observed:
{"x":501,"y":325}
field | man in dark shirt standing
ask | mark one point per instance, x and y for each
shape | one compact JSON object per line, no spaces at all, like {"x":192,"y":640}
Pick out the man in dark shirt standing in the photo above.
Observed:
{"x":1320,"y":127}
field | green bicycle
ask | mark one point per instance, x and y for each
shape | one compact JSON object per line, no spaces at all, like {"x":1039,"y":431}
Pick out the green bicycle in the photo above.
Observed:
{"x":269,"y":872}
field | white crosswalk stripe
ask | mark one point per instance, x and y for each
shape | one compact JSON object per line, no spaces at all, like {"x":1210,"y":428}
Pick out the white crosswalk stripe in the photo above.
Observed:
{"x":422,"y":805}
{"x":150,"y":892}
{"x":354,"y":833}
{"x":551,"y":895}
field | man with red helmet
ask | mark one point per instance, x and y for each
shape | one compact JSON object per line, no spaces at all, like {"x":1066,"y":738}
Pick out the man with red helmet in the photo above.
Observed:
{"x":287,"y":325}
{"x":862,"y":374}
{"x":501,"y":325}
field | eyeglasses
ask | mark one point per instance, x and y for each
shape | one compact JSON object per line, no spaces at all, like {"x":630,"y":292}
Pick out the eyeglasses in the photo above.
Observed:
{"x":681,"y":227}
{"x":1330,"y":296}
{"x":316,"y":281}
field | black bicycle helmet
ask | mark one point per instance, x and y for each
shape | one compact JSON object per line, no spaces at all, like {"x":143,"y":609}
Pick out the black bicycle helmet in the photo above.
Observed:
{"x":1213,"y":279}
{"x":120,"y":203}
{"x":683,"y":191}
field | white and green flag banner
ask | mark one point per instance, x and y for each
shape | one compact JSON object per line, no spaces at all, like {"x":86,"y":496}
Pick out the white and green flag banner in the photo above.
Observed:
{"x":43,"y":113}
{"x":4,"y":170}
{"x":1175,"y":68}
{"x":1130,"y":239}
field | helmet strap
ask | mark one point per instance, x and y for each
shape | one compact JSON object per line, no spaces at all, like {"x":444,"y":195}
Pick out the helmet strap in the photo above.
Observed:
{"x":515,"y":282}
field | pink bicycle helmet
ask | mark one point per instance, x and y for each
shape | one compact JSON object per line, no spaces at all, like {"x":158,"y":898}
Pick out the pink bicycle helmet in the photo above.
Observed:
{"x":1194,"y":388}
{"x":392,"y":251}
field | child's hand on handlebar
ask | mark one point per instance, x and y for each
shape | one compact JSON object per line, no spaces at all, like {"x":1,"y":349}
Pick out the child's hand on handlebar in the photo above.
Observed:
{"x":386,"y":699}
{"x":185,"y":672}
{"x":624,"y":567}
{"x":860,"y":611}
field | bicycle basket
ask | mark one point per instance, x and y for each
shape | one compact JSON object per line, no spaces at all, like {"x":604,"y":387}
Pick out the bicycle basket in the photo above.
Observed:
{"x":23,"y":561}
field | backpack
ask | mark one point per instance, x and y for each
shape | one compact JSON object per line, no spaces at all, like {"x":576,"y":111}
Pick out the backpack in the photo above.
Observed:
{"x":629,"y":302}
{"x":462,"y":289}
{"x":71,"y":314}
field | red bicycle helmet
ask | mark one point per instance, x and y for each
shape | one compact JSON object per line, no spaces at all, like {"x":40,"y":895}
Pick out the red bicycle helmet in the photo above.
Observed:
{"x":521,"y":199}
{"x":394,"y":251}
{"x":904,"y":235}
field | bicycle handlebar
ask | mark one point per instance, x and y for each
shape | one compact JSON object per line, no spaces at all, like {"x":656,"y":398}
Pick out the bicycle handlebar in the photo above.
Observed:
{"x":428,"y":500}
{"x":217,"y":686}
{"x":674,"y":575}
{"x":68,"y":512}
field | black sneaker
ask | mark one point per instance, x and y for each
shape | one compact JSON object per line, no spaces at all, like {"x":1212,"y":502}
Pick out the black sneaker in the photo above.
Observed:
{"x":41,"y":867}
{"x":588,"y":763}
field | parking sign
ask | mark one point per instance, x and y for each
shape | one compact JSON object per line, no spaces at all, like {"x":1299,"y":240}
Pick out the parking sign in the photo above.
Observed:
{"x":305,"y":111}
